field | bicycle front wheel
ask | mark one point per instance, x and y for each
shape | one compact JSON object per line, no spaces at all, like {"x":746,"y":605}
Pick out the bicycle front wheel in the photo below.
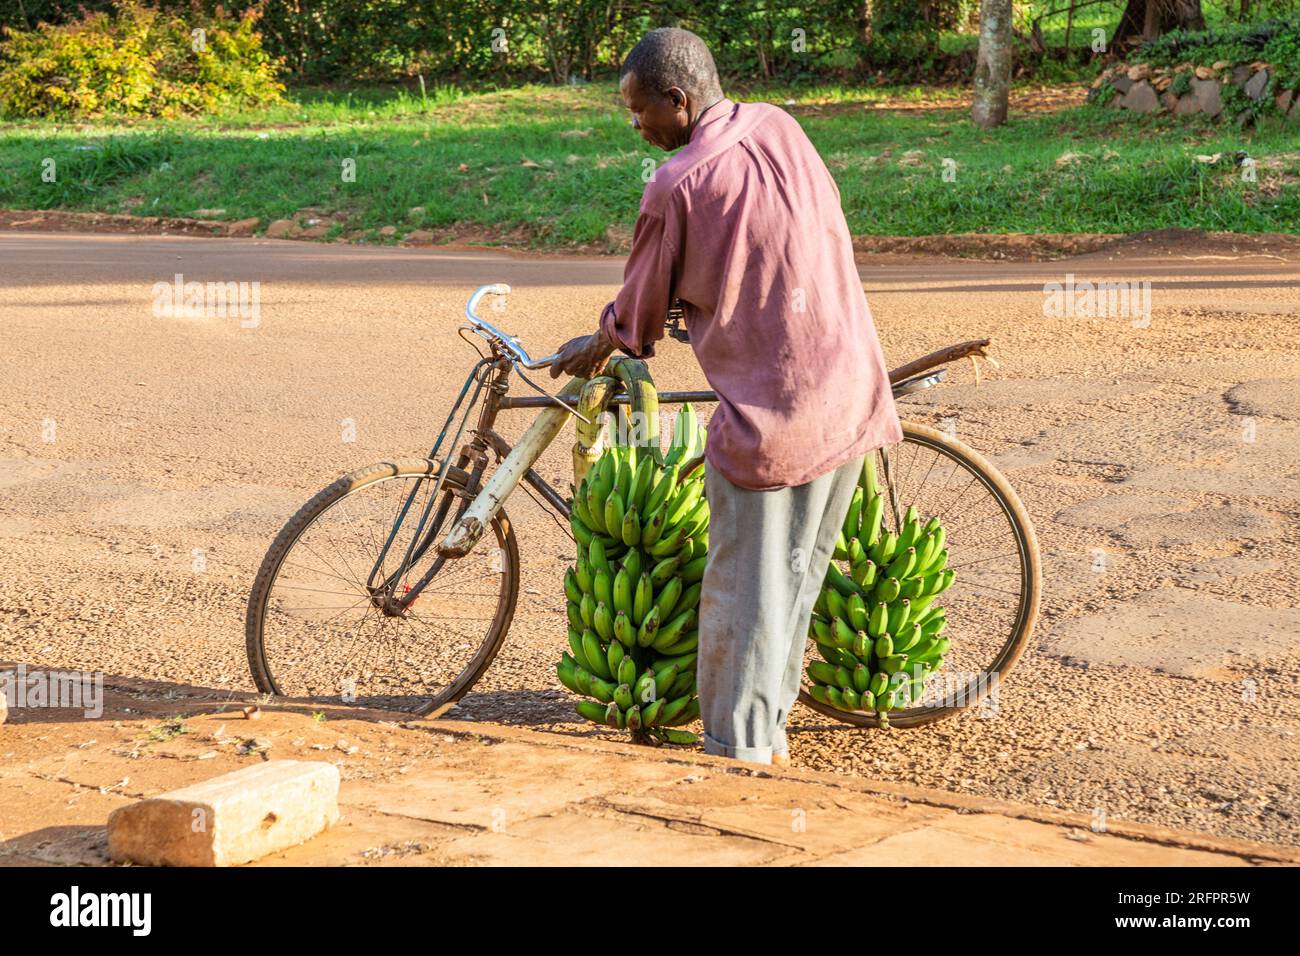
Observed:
{"x":993,"y":604}
{"x":330,"y":618}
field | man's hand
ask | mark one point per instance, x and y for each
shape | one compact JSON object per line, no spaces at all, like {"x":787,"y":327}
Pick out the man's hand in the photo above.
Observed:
{"x":582,"y":357}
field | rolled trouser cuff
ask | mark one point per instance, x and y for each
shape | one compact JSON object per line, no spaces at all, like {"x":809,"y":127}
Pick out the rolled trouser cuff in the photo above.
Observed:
{"x":747,"y":754}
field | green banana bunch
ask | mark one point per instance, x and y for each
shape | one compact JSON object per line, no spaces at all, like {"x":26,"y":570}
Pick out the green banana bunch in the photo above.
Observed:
{"x":633,"y":594}
{"x":875,"y":624}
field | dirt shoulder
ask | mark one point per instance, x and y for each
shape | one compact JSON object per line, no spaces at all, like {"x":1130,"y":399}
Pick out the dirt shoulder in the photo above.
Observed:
{"x":518,"y":241}
{"x":454,"y":793}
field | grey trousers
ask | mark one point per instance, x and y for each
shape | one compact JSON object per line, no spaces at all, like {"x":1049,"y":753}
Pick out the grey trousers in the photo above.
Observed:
{"x":768,"y":554}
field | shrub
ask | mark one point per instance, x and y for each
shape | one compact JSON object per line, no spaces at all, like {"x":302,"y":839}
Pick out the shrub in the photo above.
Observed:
{"x":137,"y":61}
{"x":1276,"y":41}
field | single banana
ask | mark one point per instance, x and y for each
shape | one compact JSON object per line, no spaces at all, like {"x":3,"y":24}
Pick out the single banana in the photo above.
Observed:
{"x":631,"y":528}
{"x":673,"y":709}
{"x":857,"y":612}
{"x":664,"y":678}
{"x":840,"y":581}
{"x":624,"y":632}
{"x":614,"y":515}
{"x":835,"y":604}
{"x":668,"y":597}
{"x":621,"y":594}
{"x":893,"y":664}
{"x":874,"y":511}
{"x":841,"y":634}
{"x":646,"y":633}
{"x":898,"y":613}
{"x":597,"y":558}
{"x":600,"y":689}
{"x":902,"y":565}
{"x":664,"y":571}
{"x":694,"y":570}
{"x":586,"y":580}
{"x":690,"y":596}
{"x":591,"y":711}
{"x":644,"y":691}
{"x":878,"y":621}
{"x":603,"y":588}
{"x":663,"y":488}
{"x":685,"y":663}
{"x":653,"y":527}
{"x":566,"y":672}
{"x":595,"y":657}
{"x":853,"y":520}
{"x":907,"y":638}
{"x":864,"y":575}
{"x":632,"y":564}
{"x":603,"y":622}
{"x":645,"y":475}
{"x":683,"y":685}
{"x":643,"y":600}
{"x":822,"y":673}
{"x":614,"y":656}
{"x":861,"y":678}
{"x":887,"y":590}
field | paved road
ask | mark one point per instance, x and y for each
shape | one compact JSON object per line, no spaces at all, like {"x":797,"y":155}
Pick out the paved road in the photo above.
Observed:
{"x":147,"y":461}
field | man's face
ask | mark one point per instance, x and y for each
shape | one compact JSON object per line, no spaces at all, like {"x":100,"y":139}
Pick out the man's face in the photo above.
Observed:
{"x":662,"y":118}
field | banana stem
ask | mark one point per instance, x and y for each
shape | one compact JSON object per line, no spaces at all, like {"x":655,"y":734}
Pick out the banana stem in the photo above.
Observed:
{"x":591,"y":405}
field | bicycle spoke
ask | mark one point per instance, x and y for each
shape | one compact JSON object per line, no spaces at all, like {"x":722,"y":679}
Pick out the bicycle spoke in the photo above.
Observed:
{"x":406,"y":660}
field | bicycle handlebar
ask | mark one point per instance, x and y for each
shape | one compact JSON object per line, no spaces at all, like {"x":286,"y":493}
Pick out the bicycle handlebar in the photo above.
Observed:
{"x":507,"y":342}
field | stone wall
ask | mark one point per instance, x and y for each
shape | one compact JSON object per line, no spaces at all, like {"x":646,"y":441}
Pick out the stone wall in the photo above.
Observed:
{"x":1150,"y":89}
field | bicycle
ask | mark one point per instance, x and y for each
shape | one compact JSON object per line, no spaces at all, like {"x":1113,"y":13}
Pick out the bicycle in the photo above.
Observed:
{"x":394,"y":512}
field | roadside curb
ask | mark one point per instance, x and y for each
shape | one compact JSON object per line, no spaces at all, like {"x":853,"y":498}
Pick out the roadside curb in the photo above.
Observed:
{"x":908,"y":793}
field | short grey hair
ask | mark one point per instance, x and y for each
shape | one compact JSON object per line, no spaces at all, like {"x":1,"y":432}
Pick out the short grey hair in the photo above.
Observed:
{"x":670,"y":56}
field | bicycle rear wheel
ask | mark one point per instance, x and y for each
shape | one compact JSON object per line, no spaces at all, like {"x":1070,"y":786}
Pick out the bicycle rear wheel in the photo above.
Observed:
{"x":993,"y":604}
{"x":325,"y":619}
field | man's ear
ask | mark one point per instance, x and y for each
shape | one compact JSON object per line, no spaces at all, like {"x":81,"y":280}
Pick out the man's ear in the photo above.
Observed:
{"x":677,"y":97}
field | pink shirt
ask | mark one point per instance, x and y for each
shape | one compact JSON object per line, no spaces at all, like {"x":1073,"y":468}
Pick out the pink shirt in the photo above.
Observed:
{"x":743,"y":225}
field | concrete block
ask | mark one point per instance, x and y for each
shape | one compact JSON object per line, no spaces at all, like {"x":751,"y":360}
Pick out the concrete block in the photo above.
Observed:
{"x":230,"y":819}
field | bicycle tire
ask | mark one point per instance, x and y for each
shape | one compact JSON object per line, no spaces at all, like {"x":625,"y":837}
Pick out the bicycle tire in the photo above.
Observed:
{"x":260,"y":666}
{"x":1030,"y":594}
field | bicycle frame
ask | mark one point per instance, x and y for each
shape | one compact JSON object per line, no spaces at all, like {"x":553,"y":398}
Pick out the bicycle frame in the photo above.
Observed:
{"x":480,"y":503}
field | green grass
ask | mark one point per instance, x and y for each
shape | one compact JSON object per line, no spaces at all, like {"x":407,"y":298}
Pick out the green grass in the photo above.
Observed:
{"x":1135,"y":172}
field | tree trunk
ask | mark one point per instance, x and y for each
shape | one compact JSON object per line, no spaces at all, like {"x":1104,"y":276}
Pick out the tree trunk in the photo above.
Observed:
{"x":1147,"y":19}
{"x":865,"y":26}
{"x":993,"y":67}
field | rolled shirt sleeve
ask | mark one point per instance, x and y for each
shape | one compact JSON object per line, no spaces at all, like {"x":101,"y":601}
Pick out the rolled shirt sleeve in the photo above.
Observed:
{"x":634,"y":321}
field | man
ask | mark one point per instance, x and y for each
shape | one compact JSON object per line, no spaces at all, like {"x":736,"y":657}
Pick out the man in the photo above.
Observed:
{"x":743,"y":227}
